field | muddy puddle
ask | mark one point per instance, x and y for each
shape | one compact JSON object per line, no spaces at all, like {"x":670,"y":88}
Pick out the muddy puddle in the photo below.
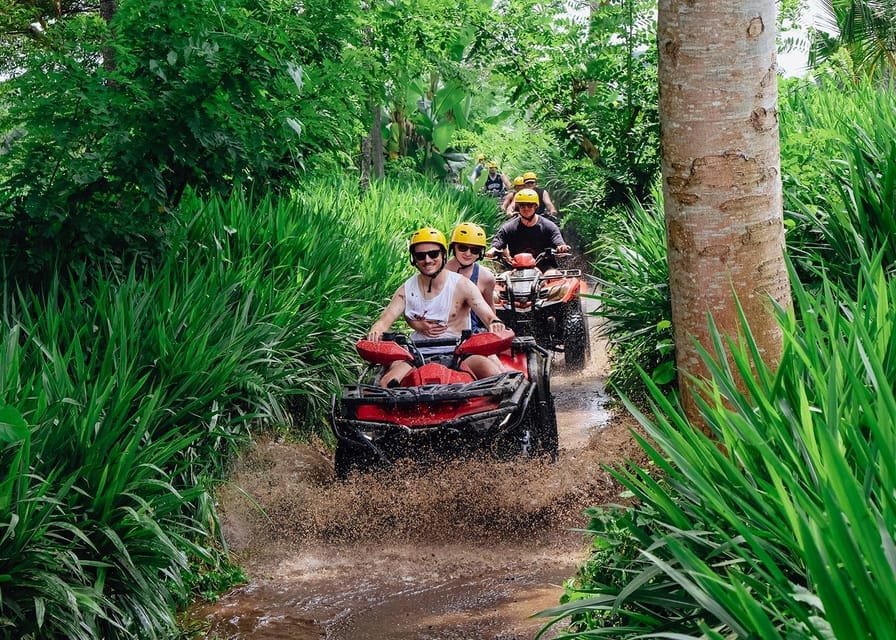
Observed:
{"x":467,"y":550}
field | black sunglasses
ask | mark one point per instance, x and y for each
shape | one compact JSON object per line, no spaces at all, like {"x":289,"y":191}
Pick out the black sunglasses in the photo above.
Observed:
{"x":465,"y":247}
{"x":420,"y":256}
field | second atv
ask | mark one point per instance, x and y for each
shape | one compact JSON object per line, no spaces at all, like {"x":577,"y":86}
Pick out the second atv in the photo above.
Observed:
{"x":544,"y":303}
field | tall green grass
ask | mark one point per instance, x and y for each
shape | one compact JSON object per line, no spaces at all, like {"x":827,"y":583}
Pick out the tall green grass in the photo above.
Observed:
{"x":782,"y":524}
{"x":838,"y":148}
{"x":124,"y":398}
{"x":634,"y":302}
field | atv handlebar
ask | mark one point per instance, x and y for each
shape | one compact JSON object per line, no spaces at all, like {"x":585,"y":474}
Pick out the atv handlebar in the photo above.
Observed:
{"x":547,"y":253}
{"x":404,"y":340}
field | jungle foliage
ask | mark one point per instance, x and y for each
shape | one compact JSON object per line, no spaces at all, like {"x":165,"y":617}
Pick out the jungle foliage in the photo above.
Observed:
{"x":125,"y":397}
{"x":775,"y":522}
{"x":107,"y":124}
{"x":107,"y":120}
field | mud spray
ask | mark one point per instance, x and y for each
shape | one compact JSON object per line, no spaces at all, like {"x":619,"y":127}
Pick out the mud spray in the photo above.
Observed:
{"x":461,"y":549}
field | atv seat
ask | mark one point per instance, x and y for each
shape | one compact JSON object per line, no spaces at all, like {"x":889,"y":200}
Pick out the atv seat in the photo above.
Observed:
{"x":435,"y":373}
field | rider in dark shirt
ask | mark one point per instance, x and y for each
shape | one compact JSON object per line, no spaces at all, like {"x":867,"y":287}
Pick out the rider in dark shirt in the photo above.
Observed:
{"x":496,"y":183}
{"x":528,"y":232}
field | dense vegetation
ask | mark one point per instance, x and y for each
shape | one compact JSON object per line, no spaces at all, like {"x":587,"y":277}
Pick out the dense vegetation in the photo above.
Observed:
{"x":778,"y":521}
{"x":125,"y":396}
{"x":192,"y":229}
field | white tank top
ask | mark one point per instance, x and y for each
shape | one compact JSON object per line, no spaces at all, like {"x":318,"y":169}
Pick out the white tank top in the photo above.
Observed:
{"x":416,"y":307}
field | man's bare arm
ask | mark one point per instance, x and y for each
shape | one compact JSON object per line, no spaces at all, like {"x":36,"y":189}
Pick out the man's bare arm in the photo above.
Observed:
{"x":548,"y":205}
{"x":390,"y":314}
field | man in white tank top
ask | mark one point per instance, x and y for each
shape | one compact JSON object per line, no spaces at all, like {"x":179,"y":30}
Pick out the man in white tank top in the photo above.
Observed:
{"x":437,"y":303}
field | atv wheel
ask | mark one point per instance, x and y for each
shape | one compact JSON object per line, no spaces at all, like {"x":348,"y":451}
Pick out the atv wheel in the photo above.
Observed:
{"x":516,"y":443}
{"x":350,"y":457}
{"x":544,"y":422}
{"x":575,"y":339}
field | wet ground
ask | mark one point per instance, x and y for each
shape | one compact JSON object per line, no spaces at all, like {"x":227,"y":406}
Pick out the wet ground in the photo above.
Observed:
{"x":468,"y":550}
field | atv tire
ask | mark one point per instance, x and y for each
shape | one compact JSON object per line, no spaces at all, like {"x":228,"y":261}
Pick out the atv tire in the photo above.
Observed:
{"x":544,"y":421}
{"x":576,"y":347}
{"x":515,"y":444}
{"x":351,"y":457}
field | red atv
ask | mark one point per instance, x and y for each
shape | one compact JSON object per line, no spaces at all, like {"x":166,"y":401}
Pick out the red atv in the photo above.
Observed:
{"x":546,"y":303}
{"x":439,"y":408}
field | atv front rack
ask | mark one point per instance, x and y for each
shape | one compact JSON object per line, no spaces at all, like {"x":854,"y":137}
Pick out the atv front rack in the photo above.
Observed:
{"x":502,"y":384}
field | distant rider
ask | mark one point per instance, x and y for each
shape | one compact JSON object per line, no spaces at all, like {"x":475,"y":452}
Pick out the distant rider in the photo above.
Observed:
{"x":508,"y":206}
{"x":437,"y":303}
{"x":496,"y":183}
{"x":477,"y":170}
{"x":528,"y":232}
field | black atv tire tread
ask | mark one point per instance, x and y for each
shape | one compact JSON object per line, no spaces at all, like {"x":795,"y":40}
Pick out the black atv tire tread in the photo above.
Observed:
{"x":547,"y":436}
{"x":575,"y":341}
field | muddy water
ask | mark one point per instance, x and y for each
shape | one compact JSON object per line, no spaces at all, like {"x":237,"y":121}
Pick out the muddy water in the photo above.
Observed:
{"x":470,"y":549}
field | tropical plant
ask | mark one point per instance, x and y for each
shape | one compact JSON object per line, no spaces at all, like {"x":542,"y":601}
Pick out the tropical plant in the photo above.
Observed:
{"x":426,"y":67}
{"x":839,"y":169}
{"x":633,"y":296}
{"x":238,"y":101}
{"x":779,"y":522}
{"x":864,"y":29}
{"x":589,"y":79}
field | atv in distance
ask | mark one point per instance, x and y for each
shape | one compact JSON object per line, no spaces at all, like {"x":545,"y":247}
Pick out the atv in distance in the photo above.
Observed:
{"x":439,"y":409}
{"x":545,"y":303}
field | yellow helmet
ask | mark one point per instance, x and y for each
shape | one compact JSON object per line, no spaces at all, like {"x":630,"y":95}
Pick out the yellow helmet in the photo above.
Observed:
{"x":492,"y":165}
{"x":469,"y":233}
{"x":530,"y":175}
{"x":480,"y":157}
{"x":527,"y":195}
{"x":428,"y":234}
{"x":518,"y":181}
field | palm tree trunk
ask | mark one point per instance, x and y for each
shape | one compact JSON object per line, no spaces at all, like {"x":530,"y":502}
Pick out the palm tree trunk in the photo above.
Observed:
{"x":721,"y":175}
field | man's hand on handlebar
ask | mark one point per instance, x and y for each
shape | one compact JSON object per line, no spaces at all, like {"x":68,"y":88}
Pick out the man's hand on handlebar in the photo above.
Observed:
{"x":496,"y":325}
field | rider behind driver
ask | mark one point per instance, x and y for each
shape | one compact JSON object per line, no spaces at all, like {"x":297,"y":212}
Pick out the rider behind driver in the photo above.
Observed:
{"x":468,"y":244}
{"x":528,"y":232}
{"x":508,"y":206}
{"x":545,"y":206}
{"x":437,"y":304}
{"x":496,"y":183}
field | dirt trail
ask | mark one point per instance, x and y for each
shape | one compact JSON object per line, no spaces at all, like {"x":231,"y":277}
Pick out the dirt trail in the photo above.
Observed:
{"x":467,"y":550}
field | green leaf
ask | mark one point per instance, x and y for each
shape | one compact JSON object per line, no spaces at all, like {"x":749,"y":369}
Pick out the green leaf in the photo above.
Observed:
{"x":442,"y":134}
{"x":664,"y":374}
{"x":13,"y":427}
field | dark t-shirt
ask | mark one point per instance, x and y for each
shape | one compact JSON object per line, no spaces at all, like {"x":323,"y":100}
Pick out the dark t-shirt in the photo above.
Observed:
{"x":518,"y":238}
{"x":494,"y":186}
